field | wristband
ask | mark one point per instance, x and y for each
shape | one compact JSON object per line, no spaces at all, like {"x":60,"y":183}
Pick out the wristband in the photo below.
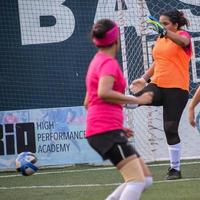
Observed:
{"x":131,"y":106}
{"x":146,"y":77}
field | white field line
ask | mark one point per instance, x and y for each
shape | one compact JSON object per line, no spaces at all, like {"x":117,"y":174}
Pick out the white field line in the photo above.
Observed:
{"x":89,"y":185}
{"x":92,"y":169}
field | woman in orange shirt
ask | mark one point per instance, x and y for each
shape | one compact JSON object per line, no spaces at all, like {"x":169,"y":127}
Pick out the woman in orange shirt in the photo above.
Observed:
{"x":168,"y":79}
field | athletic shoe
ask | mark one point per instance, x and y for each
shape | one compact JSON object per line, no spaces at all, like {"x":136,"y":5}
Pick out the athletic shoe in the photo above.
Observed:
{"x":173,"y":174}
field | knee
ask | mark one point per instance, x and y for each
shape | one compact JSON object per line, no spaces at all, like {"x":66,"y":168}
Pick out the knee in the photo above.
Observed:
{"x":171,"y":131}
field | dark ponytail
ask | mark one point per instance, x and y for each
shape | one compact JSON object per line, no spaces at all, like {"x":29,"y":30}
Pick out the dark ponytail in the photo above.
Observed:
{"x":176,"y":16}
{"x":101,"y":27}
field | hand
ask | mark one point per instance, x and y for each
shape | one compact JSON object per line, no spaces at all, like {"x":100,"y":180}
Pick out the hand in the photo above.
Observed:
{"x":192,"y":117}
{"x":128,"y":132}
{"x":137,"y":85}
{"x":154,"y":24}
{"x":145,"y":98}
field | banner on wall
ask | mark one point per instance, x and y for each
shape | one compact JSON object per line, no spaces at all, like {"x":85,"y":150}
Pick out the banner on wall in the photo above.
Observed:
{"x":55,"y":135}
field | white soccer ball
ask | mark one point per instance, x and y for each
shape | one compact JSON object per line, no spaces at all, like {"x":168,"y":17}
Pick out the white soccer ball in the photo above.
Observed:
{"x":25,"y":163}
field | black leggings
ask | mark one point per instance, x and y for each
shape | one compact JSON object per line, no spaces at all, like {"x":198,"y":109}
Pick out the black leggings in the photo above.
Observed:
{"x":173,"y":101}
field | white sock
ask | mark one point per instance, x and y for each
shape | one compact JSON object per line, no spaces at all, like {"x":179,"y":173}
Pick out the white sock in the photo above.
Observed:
{"x":117,"y":192}
{"x":175,"y":155}
{"x":132,"y":191}
{"x":148,"y":182}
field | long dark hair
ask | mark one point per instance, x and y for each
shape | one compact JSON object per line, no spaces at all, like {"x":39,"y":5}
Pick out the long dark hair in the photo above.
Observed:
{"x":176,"y":16}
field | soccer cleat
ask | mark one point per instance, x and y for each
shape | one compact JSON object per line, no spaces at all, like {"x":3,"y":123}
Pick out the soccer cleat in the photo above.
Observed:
{"x":173,"y":174}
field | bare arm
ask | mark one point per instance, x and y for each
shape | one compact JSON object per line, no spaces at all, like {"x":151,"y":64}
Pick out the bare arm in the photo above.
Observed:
{"x":191,"y":111}
{"x":106,"y":92}
{"x":86,"y":101}
{"x":149,"y":72}
{"x":178,"y":39}
{"x":196,"y":99}
{"x":139,"y":84}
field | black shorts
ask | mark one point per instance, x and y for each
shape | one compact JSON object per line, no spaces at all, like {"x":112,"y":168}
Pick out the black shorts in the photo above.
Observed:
{"x":112,"y":145}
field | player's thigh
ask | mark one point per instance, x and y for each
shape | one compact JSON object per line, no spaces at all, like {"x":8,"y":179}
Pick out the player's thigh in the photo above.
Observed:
{"x":121,"y":151}
{"x":157,"y":95}
{"x":131,"y":169}
{"x":105,"y":142}
{"x":174,"y":102}
{"x":145,"y":168}
{"x":127,"y":161}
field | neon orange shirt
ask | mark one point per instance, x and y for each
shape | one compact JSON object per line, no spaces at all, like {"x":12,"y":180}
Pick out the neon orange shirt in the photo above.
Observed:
{"x":171,"y":61}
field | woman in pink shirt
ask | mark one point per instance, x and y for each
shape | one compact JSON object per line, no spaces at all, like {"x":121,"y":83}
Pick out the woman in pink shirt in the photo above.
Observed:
{"x":105,"y":87}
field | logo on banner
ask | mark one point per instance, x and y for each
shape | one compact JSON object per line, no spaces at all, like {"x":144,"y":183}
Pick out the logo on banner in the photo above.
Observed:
{"x":16,"y":138}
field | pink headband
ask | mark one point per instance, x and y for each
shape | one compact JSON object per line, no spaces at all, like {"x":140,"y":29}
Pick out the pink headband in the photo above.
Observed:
{"x":110,"y":37}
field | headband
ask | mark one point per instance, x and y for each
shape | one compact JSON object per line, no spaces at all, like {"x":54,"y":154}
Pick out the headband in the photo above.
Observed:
{"x":110,"y":37}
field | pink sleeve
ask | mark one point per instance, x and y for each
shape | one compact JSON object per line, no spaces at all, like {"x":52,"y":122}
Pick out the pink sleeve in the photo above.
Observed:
{"x":109,"y":68}
{"x":187,"y":49}
{"x":185,"y":33}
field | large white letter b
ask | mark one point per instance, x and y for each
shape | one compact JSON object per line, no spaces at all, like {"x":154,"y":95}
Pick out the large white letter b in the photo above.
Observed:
{"x":31,"y":13}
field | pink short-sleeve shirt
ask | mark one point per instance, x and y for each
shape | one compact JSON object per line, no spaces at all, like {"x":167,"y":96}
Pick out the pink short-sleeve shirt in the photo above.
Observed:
{"x":101,"y":115}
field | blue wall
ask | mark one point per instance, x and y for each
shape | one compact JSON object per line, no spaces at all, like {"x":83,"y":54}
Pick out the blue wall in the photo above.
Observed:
{"x":52,"y":74}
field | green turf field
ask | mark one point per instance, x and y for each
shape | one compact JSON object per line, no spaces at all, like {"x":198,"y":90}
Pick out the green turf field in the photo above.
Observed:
{"x":95,"y":183}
